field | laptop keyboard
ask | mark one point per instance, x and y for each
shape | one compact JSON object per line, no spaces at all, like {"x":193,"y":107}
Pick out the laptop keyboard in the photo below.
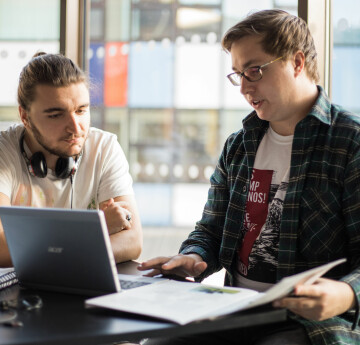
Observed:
{"x":130,"y":284}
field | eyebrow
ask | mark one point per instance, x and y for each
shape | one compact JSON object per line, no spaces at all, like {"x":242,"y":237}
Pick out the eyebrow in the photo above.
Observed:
{"x":248,"y":64}
{"x":51,"y":110}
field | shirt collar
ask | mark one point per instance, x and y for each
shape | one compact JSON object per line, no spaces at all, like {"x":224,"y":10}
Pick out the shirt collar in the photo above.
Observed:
{"x":320,"y":110}
{"x":322,"y":107}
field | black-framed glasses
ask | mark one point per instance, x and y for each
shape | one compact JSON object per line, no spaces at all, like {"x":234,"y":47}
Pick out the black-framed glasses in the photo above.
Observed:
{"x":252,"y":73}
{"x":8,"y":309}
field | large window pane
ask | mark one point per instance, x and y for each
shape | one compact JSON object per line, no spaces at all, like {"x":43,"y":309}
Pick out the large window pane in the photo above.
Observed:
{"x":346,"y":54}
{"x":97,"y":24}
{"x":203,"y":24}
{"x":151,"y":74}
{"x":29,"y":20}
{"x":26,"y":27}
{"x":200,"y":2}
{"x":197,"y":142}
{"x":116,"y":121}
{"x":152,"y":21}
{"x":96,"y":65}
{"x":116,"y":74}
{"x":151,"y":127}
{"x":197,"y":82}
{"x":117,"y":23}
{"x":13,"y":57}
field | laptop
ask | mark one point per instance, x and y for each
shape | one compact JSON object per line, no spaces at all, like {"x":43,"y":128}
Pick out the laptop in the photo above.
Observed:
{"x":64,"y":250}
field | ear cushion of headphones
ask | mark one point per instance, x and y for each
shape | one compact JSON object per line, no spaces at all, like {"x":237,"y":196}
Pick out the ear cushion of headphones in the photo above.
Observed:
{"x":38,"y":166}
{"x":65,"y":167}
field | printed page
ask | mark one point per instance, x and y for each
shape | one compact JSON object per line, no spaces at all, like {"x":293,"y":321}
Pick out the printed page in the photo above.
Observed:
{"x":183,"y":302}
{"x":180,"y":302}
{"x":285,"y":286}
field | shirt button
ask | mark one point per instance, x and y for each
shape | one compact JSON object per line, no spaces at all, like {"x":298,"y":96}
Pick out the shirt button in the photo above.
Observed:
{"x":227,"y":253}
{"x":244,"y":189}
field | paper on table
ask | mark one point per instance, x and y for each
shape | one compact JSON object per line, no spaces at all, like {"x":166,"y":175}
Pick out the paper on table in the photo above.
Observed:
{"x":180,"y":302}
{"x":184,"y":302}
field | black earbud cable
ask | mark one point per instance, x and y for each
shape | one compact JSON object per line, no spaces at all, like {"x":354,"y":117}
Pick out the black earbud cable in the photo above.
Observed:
{"x":71,"y":200}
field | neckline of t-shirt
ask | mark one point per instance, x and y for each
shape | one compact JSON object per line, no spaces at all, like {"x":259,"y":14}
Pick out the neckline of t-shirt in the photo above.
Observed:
{"x":280,"y":139}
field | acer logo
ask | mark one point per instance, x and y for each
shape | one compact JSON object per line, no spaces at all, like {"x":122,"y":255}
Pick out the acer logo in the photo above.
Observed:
{"x":55,"y":250}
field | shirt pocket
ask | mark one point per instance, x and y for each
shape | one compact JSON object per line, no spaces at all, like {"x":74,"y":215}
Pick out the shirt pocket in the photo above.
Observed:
{"x":321,"y":227}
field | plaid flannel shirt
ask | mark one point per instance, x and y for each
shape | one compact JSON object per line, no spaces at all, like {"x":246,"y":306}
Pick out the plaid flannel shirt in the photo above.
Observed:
{"x":321,"y":212}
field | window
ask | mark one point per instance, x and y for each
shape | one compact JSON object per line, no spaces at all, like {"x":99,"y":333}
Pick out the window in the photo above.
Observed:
{"x":159,"y":73}
{"x":36,"y":27}
{"x":346,"y":54}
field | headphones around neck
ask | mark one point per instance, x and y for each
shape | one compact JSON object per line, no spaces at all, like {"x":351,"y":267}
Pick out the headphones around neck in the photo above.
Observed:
{"x":36,"y":164}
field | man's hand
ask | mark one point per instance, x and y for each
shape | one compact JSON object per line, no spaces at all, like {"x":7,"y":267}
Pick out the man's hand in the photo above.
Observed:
{"x":320,"y":301}
{"x":126,"y":245}
{"x":117,"y":215}
{"x":190,"y":265}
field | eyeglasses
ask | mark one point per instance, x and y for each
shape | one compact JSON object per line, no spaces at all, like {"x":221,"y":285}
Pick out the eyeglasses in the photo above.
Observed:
{"x":8,"y":309}
{"x":253,"y":73}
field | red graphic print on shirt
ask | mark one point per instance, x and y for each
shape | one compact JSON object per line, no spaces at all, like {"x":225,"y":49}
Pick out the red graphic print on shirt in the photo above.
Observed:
{"x":256,"y":212}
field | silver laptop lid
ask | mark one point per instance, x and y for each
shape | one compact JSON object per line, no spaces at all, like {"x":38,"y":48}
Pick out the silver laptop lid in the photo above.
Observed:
{"x":60,"y":249}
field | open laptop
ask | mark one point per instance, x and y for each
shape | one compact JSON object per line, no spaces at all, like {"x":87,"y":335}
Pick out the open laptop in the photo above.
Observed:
{"x":63,"y":250}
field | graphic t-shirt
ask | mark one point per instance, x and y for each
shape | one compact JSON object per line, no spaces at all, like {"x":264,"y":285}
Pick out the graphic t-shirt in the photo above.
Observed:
{"x":257,"y":255}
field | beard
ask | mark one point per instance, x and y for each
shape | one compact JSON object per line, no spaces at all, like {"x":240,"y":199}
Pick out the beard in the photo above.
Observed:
{"x":42,"y":141}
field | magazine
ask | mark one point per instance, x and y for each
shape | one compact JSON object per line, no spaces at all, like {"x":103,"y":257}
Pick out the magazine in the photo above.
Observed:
{"x":185,"y":302}
{"x":7,"y":277}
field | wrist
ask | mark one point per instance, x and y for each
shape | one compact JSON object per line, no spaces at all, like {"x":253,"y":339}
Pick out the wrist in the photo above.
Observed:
{"x":349,"y":297}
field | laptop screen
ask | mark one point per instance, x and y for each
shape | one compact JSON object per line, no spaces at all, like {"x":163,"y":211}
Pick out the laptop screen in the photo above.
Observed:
{"x":60,"y":249}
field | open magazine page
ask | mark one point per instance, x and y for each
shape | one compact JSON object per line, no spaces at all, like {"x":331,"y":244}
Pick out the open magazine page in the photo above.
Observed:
{"x":180,"y":302}
{"x":184,"y":302}
{"x":285,"y":286}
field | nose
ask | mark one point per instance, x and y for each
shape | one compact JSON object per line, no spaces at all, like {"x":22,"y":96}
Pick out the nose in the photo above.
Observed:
{"x":73,"y":123}
{"x":245,"y":86}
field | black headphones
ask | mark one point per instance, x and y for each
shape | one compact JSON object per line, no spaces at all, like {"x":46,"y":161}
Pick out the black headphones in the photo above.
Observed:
{"x":36,"y":164}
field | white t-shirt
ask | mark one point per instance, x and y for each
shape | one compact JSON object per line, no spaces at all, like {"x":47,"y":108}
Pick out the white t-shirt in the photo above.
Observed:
{"x":257,"y":255}
{"x":103,"y":173}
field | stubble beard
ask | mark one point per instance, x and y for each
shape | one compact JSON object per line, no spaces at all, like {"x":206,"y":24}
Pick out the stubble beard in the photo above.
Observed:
{"x":41,"y":140}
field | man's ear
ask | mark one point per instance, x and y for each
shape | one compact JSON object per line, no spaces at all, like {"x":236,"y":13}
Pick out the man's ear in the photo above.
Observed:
{"x":299,"y":62}
{"x":24,"y":117}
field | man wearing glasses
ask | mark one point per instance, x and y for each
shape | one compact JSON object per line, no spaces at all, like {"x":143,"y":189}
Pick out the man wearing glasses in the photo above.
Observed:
{"x":285,"y":194}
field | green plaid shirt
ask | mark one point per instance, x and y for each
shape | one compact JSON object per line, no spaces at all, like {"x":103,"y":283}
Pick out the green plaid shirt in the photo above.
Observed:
{"x":321,"y":214}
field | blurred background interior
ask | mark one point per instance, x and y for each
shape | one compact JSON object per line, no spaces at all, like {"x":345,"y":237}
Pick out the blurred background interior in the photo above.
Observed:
{"x":158,"y":82}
